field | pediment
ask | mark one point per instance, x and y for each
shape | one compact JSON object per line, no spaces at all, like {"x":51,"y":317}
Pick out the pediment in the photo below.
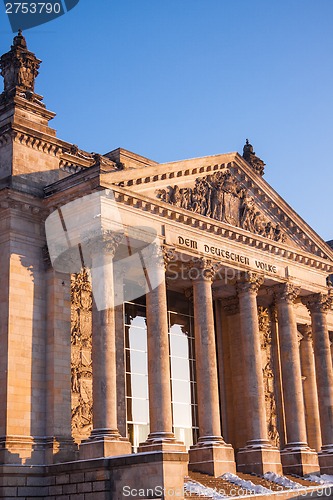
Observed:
{"x":225,"y":188}
{"x":222,"y":197}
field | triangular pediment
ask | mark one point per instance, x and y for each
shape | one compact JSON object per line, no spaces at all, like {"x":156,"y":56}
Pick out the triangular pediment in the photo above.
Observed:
{"x":225,"y":189}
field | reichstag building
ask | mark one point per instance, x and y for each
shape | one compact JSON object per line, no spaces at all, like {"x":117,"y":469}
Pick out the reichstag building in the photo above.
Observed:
{"x":158,"y":321}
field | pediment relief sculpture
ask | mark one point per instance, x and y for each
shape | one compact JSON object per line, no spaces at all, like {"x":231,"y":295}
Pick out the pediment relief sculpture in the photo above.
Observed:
{"x":220,"y":197}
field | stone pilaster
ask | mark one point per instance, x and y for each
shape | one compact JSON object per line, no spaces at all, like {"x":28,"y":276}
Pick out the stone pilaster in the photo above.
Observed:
{"x":296,"y":455}
{"x":161,"y":436}
{"x":318,"y":305}
{"x":310,"y":388}
{"x":259,"y":456}
{"x":105,"y":439}
{"x":210,"y":454}
{"x":60,"y":446}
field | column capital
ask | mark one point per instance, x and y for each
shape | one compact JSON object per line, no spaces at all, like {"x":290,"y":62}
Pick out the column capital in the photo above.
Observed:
{"x":318,"y":302}
{"x":102,"y":241}
{"x":249,"y":282}
{"x":160,"y":255}
{"x":202,"y":269}
{"x":306,"y":332}
{"x":169,"y":255}
{"x":286,"y":292}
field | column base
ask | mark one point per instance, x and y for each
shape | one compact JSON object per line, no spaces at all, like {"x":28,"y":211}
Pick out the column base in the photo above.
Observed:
{"x":212,"y":456}
{"x":299,"y":459}
{"x":60,"y":449}
{"x":22,"y":450}
{"x":325,"y":458}
{"x":104,"y":443}
{"x":259,"y":457}
{"x":161,"y":441}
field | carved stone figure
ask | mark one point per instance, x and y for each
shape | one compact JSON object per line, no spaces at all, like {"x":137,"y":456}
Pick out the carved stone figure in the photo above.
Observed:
{"x":19,"y":68}
{"x":249,"y":155}
{"x":219,"y":196}
{"x":81,"y":364}
{"x":268,"y":374}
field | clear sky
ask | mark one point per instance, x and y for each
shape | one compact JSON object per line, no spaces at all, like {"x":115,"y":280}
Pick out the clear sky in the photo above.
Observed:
{"x":175,"y":79}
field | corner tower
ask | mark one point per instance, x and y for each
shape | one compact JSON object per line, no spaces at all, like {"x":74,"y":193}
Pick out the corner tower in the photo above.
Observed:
{"x":28,"y":146}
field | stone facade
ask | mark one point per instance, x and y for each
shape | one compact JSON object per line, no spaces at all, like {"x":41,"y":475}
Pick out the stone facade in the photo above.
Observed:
{"x":254,"y":274}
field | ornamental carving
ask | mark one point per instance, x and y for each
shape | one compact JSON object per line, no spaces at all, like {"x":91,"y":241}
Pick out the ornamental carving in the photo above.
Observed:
{"x":318,"y":302}
{"x":286,"y":292}
{"x":81,"y":363}
{"x":268,"y":374}
{"x":249,"y":282}
{"x":221,"y":197}
{"x":19,"y":68}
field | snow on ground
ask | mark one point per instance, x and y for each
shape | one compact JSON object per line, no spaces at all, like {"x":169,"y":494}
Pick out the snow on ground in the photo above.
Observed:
{"x":195,"y":487}
{"x":283,"y":481}
{"x":322,"y":479}
{"x":245,"y":485}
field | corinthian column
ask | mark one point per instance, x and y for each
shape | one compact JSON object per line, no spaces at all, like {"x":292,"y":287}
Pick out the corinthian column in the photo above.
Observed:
{"x":211,"y":454}
{"x":161,"y":436}
{"x":318,"y":305}
{"x":259,"y":456}
{"x":310,"y":387}
{"x":105,"y":439}
{"x":297,"y":457}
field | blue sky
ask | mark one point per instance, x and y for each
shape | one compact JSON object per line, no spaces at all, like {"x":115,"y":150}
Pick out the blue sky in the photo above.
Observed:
{"x":174,"y":79}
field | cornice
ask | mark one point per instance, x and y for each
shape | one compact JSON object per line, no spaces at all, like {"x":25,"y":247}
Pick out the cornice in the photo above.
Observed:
{"x":280,"y":207}
{"x":20,"y":102}
{"x":64,"y":191}
{"x":216,"y":228}
{"x":298,"y":229}
{"x":26,"y":204}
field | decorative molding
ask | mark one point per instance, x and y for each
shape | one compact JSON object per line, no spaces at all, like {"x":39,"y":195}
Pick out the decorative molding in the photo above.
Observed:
{"x":265,"y":331}
{"x":206,"y":269}
{"x":258,"y":189}
{"x":249,"y":282}
{"x":81,"y":363}
{"x":24,"y":203}
{"x":318,"y":302}
{"x":74,"y":160}
{"x":286,"y":292}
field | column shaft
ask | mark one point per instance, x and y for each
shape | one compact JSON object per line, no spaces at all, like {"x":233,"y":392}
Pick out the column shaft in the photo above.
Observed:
{"x":291,"y":374}
{"x":161,"y":436}
{"x":158,"y":362}
{"x":318,"y":306}
{"x":104,"y":354}
{"x":297,"y":457}
{"x":105,"y":439}
{"x":310,"y":388}
{"x":207,"y":382}
{"x":257,"y":425}
{"x":259,"y":456}
{"x":210,"y":454}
